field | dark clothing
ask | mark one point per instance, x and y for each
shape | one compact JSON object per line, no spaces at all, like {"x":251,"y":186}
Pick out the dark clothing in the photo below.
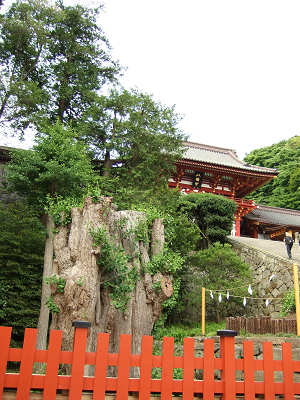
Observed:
{"x":288,"y":244}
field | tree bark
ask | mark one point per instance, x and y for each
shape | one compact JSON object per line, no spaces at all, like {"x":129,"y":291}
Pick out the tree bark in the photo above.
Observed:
{"x":46,"y":291}
{"x":85,"y":297}
{"x":107,"y":164}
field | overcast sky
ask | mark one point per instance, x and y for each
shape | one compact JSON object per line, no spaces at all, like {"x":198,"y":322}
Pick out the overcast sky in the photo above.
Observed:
{"x":231,"y":67}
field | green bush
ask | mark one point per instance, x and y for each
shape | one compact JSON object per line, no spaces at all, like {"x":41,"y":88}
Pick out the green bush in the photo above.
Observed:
{"x":22,"y":238}
{"x":288,"y":303}
{"x":215,"y":268}
{"x":213,"y":214}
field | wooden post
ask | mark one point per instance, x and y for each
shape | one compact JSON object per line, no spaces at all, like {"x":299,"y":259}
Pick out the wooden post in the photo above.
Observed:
{"x":228,"y":361}
{"x":203,"y":311}
{"x":296,"y":288}
{"x":78,"y":361}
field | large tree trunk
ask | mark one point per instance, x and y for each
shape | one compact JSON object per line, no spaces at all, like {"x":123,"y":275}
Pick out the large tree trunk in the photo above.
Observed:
{"x":85,"y":296}
{"x":46,"y":291}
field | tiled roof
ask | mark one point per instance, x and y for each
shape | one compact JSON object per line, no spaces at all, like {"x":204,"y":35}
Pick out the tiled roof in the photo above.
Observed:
{"x":275,"y":216}
{"x":220,"y":156}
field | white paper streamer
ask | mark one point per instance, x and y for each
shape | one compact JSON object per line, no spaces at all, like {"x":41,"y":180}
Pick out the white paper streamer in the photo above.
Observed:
{"x":211,"y":294}
{"x":250,"y":290}
{"x":227,"y":295}
{"x":267,"y":302}
{"x":220,"y":298}
{"x":244,"y":301}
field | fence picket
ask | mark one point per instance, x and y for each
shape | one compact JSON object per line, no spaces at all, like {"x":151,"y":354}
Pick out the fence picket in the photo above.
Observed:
{"x":101,"y":366}
{"x":51,"y":377}
{"x":268,"y":370}
{"x":123,"y":366}
{"x":146,"y":368}
{"x":5,"y":334}
{"x":78,"y":360}
{"x":249,"y":368}
{"x":288,"y":371}
{"x":228,"y":372}
{"x":208,"y":369}
{"x":27,"y":359}
{"x":167,"y":368}
{"x":188,"y":368}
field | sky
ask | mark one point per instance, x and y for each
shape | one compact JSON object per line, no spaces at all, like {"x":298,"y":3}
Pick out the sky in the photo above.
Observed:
{"x":230,"y":67}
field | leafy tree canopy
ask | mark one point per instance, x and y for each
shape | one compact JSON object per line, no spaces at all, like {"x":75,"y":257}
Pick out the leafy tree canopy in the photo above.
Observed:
{"x":135,"y":134}
{"x":213,"y":214}
{"x":283,"y":191}
{"x":53,"y":61}
{"x":58,"y":164}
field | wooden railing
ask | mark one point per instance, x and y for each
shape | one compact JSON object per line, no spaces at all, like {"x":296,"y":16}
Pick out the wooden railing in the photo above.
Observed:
{"x":24,"y":384}
{"x":261,"y":325}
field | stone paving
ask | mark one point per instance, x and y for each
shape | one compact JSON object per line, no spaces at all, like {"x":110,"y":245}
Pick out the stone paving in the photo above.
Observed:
{"x":276,"y":248}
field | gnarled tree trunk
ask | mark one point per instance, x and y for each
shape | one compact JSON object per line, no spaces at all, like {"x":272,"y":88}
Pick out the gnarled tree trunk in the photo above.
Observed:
{"x":43,"y":322}
{"x":85,"y":296}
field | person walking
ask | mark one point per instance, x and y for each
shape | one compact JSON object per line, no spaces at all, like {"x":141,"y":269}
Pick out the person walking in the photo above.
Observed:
{"x":288,"y":240}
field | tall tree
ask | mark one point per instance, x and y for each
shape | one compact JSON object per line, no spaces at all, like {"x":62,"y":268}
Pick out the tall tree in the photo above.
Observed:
{"x":284,"y":191}
{"x":58,"y":165}
{"x":139,"y":133}
{"x":53,"y":61}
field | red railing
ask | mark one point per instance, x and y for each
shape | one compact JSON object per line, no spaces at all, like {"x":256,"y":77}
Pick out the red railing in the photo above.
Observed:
{"x":24,"y":381}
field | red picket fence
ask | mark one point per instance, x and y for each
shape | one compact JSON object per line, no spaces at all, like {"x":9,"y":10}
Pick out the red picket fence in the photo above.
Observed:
{"x":228,"y":387}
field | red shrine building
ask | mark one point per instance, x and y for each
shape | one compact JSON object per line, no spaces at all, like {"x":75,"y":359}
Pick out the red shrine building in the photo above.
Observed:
{"x":217,"y":170}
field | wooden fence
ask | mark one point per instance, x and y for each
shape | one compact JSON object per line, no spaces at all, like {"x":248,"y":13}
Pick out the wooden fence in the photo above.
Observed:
{"x":261,"y":325}
{"x":24,"y":384}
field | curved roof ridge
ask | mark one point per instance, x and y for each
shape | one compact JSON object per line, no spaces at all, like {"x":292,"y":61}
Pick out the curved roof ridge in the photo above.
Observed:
{"x":278,"y":209}
{"x":209,"y":147}
{"x":223,"y":156}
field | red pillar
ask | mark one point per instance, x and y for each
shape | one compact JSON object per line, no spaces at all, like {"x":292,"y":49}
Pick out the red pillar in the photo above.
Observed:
{"x":255,"y":232}
{"x":237,"y":226}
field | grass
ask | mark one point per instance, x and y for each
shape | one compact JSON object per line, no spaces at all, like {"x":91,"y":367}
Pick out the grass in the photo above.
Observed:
{"x":244,"y":333}
{"x":179,"y":332}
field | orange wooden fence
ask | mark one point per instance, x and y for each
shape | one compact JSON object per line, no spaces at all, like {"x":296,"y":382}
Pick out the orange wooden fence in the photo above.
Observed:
{"x":24,"y":381}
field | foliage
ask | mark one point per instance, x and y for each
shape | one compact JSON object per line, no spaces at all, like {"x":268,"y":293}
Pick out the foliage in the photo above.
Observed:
{"x":113,"y":261}
{"x":21,"y":257}
{"x":215,"y":268}
{"x":284,"y":191}
{"x":58,"y":165}
{"x":167,"y":262}
{"x":213,"y":214}
{"x":57,"y":281}
{"x":139,"y":133}
{"x":53,"y":61}
{"x":288,"y":303}
{"x":53,"y":307}
{"x":179,"y":332}
{"x":60,"y":208}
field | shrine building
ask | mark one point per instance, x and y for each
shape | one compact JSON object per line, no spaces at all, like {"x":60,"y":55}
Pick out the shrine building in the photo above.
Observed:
{"x":210,"y":169}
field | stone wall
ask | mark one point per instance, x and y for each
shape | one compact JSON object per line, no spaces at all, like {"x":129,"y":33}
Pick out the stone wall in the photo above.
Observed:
{"x":266,"y":266}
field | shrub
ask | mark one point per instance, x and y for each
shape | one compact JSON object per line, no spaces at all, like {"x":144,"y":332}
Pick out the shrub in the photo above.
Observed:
{"x":215,"y":268}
